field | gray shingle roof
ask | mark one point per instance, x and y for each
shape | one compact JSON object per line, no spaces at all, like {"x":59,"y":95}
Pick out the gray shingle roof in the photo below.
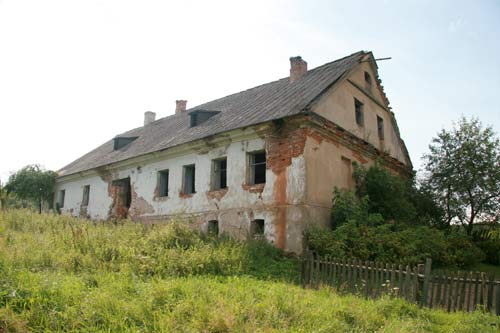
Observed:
{"x":263,"y":103}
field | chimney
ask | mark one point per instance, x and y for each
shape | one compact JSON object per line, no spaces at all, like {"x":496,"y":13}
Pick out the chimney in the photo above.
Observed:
{"x":180,"y":106}
{"x":149,"y":117}
{"x":298,"y":68}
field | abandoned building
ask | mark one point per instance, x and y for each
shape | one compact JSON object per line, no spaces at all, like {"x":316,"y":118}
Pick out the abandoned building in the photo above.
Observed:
{"x":261,"y":163}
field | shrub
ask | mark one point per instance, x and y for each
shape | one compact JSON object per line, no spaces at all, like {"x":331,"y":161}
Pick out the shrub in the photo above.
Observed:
{"x":386,"y":243}
{"x":491,"y":249}
{"x":461,"y":251}
{"x":346,"y":208}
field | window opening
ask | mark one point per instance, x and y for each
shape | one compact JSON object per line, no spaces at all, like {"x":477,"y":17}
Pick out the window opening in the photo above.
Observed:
{"x":380,"y":127}
{"x":86,"y":194}
{"x":257,"y":229}
{"x":213,"y":227}
{"x":219,"y":174}
{"x":358,"y":108}
{"x":163,"y":186}
{"x":258,"y":168}
{"x":189,"y":179}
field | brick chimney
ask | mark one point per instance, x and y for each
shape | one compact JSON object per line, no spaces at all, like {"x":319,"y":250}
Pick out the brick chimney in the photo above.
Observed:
{"x":149,"y":117}
{"x":298,"y":68}
{"x":180,"y":106}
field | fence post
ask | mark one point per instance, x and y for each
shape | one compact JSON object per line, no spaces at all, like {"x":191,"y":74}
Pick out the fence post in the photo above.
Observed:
{"x":427,"y":276}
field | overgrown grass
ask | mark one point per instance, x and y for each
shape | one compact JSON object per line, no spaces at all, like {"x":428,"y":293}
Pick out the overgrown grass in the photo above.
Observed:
{"x":64,"y":274}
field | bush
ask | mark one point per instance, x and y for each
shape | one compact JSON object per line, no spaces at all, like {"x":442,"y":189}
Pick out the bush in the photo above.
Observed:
{"x":385,"y":243}
{"x":348,"y":208}
{"x":461,"y":251}
{"x":491,"y":249}
{"x":392,"y":220}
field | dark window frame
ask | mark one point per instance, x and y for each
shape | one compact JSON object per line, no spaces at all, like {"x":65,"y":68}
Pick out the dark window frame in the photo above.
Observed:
{"x":163,"y":183}
{"x":219,"y":174}
{"x":359,"y":112}
{"x":188,"y":186}
{"x":380,"y":128}
{"x":62,"y":196}
{"x":257,"y":228}
{"x":213,"y":227}
{"x":368,"y":79}
{"x":86,"y":195}
{"x":257,"y":169}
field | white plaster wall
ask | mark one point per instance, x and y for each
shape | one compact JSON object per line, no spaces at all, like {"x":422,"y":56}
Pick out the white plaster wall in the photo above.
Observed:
{"x":237,"y":208}
{"x":144,"y":179}
{"x":99,"y":201}
{"x":145,"y":182}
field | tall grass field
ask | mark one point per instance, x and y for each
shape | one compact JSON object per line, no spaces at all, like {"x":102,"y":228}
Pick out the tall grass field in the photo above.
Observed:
{"x":61,"y":274}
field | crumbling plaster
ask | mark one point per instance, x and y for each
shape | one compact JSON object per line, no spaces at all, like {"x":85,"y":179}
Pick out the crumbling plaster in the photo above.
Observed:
{"x":235,"y":208}
{"x":307,"y":156}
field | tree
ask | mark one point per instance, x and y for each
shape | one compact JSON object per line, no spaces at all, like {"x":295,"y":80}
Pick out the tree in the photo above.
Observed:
{"x":3,"y":196}
{"x":463,"y":171}
{"x":32,"y":183}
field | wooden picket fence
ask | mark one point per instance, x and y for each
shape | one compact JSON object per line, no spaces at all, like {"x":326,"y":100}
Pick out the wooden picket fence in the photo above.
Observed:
{"x":455,"y":291}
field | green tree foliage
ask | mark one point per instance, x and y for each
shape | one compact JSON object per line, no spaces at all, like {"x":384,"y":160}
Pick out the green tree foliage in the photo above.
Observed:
{"x":388,"y":194}
{"x":32,"y":183}
{"x":463,"y":171}
{"x":3,"y":196}
{"x":396,"y":199}
{"x":391,"y":219}
{"x":359,"y":233}
{"x":349,"y":209}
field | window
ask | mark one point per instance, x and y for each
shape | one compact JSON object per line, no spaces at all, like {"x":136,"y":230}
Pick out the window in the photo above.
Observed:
{"x":163,"y":183}
{"x":257,"y":168}
{"x":62,"y":194}
{"x":189,"y":172}
{"x":380,"y":127}
{"x":213,"y":227}
{"x":368,"y":80}
{"x":257,"y":229}
{"x":358,"y":109}
{"x":219,"y":180}
{"x":86,"y":194}
{"x":200,"y":116}
{"x":120,"y":142}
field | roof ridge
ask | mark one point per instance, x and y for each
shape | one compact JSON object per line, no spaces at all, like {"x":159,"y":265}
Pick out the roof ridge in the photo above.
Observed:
{"x":264,"y":102}
{"x":255,"y":87}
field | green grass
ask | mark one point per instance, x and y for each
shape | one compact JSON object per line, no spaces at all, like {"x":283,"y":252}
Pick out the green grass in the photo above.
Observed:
{"x":63,"y":274}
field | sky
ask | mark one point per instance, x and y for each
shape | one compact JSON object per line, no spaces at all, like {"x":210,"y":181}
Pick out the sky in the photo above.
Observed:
{"x":73,"y":74}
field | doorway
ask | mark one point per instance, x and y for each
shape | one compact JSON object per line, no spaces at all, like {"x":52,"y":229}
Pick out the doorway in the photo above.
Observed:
{"x":122,"y":198}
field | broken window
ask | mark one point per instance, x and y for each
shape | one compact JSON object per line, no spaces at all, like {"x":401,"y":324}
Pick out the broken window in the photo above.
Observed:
{"x":120,"y":142}
{"x":368,"y":80}
{"x":163,"y":183}
{"x":358,"y":109}
{"x":257,"y":229}
{"x":257,"y":168}
{"x":380,"y":127}
{"x":200,"y":116}
{"x":189,"y":173}
{"x":219,"y":180}
{"x":213,"y":227}
{"x":62,"y":194}
{"x":86,"y":194}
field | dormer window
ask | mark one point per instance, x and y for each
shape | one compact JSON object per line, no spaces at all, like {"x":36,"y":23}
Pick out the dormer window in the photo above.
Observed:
{"x":120,"y":142}
{"x":198,"y":117}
